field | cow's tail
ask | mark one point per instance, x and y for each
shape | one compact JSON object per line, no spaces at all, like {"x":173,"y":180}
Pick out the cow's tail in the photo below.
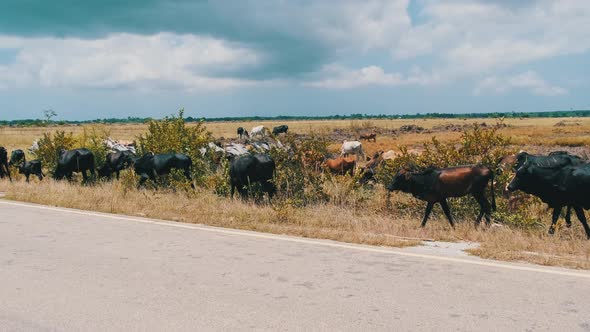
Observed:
{"x":492,"y":187}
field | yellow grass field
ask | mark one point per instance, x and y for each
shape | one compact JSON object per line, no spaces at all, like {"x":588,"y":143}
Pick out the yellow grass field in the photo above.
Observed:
{"x":525,"y":132}
{"x":376,"y":222}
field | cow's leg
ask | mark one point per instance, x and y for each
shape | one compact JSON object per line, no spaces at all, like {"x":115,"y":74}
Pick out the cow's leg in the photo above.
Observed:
{"x":118,"y":173}
{"x":556,"y":213}
{"x":447,"y":211}
{"x":427,"y":213}
{"x":142,"y":179}
{"x":27,"y":176}
{"x":188,"y":175}
{"x":40,"y":176}
{"x":484,"y":209}
{"x":582,"y":217}
{"x":568,"y":217}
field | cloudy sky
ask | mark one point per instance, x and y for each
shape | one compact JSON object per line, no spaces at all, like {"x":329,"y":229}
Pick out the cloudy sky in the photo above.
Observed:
{"x":291,"y":57}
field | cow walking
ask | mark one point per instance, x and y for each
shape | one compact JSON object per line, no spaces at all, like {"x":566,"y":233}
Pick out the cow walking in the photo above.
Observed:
{"x":77,"y":160}
{"x":242,"y":133}
{"x":340,"y":165}
{"x":258,"y":131}
{"x":252,"y":168}
{"x":4,"y":170}
{"x":150,"y":165}
{"x":352,"y":147}
{"x":282,"y":129}
{"x":541,"y":187}
{"x":369,"y":136}
{"x":18,"y":159}
{"x":559,"y":180}
{"x":115,"y":162}
{"x":436,"y":185}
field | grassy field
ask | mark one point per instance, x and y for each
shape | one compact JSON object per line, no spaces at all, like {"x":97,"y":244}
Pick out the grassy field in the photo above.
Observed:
{"x":371,"y":221}
{"x":526,"y":132}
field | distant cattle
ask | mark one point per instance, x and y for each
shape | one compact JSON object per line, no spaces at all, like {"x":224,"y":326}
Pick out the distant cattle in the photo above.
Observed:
{"x":150,"y":165}
{"x":258,"y":131}
{"x":31,"y":167}
{"x":560,"y":180}
{"x":390,"y":155}
{"x":436,"y":185}
{"x":369,"y":136}
{"x":4,"y":169}
{"x":340,"y":165}
{"x":280,"y":129}
{"x":17,"y":157}
{"x":78,"y":160}
{"x":115,"y":162}
{"x":249,"y":169}
{"x":242,"y":133}
{"x":352,"y":147}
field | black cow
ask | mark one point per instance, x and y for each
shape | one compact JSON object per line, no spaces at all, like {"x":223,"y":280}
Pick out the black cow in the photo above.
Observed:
{"x":150,"y":165}
{"x":77,"y":160}
{"x":17,"y":157}
{"x":251,"y":168}
{"x":115,"y":162}
{"x":31,"y":167}
{"x":4,"y":170}
{"x":242,"y":132}
{"x":559,"y":180}
{"x":554,"y":161}
{"x":280,"y":129}
{"x":436,"y":185}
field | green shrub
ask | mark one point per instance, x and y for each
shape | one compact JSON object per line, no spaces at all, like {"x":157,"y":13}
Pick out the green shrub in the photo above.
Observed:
{"x":51,"y":144}
{"x":172,"y":135}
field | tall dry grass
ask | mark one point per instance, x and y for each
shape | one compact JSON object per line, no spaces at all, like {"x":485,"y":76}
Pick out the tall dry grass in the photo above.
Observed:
{"x":376,"y":223}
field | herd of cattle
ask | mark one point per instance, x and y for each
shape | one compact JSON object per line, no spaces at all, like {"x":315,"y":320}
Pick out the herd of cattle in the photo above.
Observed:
{"x":559,"y":179}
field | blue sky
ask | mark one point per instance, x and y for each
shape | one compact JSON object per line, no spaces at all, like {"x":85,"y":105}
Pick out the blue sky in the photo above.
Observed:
{"x":300,"y":57}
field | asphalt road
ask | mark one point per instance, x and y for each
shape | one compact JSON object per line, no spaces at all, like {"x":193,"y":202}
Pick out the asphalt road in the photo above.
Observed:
{"x":69,"y":270}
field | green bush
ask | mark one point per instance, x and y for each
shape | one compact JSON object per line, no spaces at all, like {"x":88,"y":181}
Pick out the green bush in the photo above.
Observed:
{"x":50,"y":145}
{"x":172,"y":135}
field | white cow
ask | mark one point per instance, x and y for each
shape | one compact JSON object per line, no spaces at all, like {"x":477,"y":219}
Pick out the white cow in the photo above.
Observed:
{"x":236,"y":149}
{"x":258,"y":131}
{"x":352,"y":147}
{"x":114,"y":145}
{"x":212,"y":147}
{"x":390,"y":155}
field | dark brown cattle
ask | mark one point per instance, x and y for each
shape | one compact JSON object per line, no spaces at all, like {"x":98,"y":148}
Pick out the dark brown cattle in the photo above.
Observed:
{"x":340,"y":165}
{"x":436,"y":185}
{"x":4,"y":170}
{"x":368,"y":137}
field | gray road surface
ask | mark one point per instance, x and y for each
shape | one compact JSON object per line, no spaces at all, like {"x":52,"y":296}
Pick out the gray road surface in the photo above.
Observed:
{"x":71,"y":271}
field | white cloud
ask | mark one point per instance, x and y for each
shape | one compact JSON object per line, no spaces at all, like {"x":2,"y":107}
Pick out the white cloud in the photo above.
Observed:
{"x":529,"y":81}
{"x":338,"y":77}
{"x":163,"y":60}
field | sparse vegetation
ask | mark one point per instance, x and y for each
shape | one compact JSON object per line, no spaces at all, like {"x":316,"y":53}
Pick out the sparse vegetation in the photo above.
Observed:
{"x":313,"y":203}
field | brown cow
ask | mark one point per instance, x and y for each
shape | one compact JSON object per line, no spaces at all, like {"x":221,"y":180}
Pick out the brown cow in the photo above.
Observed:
{"x":368,"y":137}
{"x":436,"y":185}
{"x":340,"y":165}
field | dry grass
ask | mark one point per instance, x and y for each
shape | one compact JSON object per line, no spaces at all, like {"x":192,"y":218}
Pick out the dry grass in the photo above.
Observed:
{"x":370,"y":222}
{"x":541,"y":131}
{"x":374,"y":224}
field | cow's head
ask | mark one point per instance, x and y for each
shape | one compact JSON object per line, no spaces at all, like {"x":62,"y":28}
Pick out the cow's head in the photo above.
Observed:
{"x":400,"y":181}
{"x":104,"y":171}
{"x":520,"y":174}
{"x":17,"y":157}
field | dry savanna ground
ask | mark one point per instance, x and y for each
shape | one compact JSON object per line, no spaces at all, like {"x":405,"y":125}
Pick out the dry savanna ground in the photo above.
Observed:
{"x":374,"y":222}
